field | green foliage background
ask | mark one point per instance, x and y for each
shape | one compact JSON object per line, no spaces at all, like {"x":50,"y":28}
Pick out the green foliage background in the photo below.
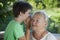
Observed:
{"x":52,"y":7}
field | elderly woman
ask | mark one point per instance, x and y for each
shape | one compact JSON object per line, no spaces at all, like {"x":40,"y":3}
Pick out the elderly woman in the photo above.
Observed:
{"x":38,"y":24}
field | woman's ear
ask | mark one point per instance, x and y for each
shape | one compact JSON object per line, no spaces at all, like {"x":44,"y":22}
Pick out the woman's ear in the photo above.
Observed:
{"x":46,"y":23}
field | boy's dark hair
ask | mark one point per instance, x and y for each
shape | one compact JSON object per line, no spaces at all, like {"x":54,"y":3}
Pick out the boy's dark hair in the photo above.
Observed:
{"x":20,"y":7}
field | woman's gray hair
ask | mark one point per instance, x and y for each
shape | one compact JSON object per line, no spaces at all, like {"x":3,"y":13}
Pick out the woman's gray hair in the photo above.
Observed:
{"x":41,"y":12}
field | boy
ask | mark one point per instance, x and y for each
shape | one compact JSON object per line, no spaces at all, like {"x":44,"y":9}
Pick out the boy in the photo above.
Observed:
{"x":14,"y":30}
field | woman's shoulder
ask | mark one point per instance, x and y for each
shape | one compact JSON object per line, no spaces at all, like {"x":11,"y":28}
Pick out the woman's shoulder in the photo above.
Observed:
{"x":51,"y":36}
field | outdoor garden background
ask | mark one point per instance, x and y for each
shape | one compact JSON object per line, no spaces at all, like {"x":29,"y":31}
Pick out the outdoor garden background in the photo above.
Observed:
{"x":52,"y":7}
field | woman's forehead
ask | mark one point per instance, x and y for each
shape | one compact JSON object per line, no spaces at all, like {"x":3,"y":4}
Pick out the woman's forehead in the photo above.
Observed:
{"x":38,"y":16}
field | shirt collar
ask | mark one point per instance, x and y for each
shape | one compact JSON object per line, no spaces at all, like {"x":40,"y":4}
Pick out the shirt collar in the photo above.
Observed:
{"x":42,"y":38}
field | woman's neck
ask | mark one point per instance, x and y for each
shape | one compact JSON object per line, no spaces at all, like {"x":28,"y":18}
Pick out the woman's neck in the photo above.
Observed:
{"x":39,"y":35}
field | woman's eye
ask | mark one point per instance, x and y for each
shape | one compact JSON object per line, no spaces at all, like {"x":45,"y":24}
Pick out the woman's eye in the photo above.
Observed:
{"x":37,"y":20}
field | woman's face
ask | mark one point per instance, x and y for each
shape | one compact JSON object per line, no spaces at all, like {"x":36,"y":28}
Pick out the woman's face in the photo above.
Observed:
{"x":38,"y":22}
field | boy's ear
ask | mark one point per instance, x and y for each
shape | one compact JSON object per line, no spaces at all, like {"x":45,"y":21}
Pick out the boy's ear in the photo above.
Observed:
{"x":21,"y":13}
